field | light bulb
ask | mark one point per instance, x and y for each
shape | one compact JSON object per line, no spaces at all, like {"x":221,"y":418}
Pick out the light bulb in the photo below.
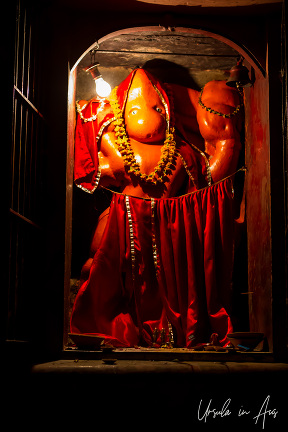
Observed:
{"x":103,"y":89}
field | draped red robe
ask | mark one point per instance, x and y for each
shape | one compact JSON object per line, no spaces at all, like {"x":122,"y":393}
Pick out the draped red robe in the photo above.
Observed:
{"x":161,"y":260}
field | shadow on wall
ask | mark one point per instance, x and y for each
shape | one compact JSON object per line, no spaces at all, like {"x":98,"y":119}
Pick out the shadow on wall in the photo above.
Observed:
{"x":170,"y":72}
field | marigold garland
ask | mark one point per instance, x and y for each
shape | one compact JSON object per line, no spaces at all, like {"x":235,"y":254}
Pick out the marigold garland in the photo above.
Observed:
{"x":167,"y":161}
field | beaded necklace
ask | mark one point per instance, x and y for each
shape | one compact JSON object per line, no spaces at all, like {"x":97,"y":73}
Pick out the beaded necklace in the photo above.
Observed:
{"x":212,"y":111}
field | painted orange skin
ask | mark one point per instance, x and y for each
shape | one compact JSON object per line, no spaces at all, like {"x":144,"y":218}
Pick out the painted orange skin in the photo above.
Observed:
{"x":221,"y":136}
{"x":145,"y":121}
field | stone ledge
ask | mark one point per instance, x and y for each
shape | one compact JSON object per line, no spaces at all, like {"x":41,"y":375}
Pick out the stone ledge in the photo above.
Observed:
{"x":131,"y":367}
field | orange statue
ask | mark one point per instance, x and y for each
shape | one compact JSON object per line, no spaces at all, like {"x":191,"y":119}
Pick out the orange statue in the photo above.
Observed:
{"x":154,"y":141}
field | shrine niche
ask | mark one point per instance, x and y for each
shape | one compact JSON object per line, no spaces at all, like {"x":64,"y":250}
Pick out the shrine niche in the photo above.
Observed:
{"x":158,"y":234}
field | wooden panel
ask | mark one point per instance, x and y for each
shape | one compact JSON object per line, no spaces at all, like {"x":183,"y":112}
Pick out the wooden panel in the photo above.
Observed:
{"x":188,"y":50}
{"x":258,"y":207}
{"x":170,"y":42}
{"x":69,"y":199}
{"x":187,"y":58}
{"x":212,"y":3}
{"x":198,"y":62}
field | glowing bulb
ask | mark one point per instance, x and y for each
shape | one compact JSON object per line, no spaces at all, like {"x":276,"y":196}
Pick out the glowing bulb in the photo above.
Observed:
{"x":103,"y":89}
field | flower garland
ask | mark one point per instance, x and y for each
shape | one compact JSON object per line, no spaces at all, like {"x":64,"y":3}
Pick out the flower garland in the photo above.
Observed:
{"x":167,"y":161}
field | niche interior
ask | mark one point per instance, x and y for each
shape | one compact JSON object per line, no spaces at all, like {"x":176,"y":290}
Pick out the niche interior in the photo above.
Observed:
{"x":191,"y":58}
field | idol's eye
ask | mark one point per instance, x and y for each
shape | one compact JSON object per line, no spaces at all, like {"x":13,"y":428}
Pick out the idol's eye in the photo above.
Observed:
{"x":134,"y":112}
{"x":158,"y":109}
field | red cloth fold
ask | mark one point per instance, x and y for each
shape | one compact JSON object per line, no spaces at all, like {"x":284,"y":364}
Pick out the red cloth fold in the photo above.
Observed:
{"x":86,"y":149}
{"x":87,"y":133}
{"x":190,"y":285}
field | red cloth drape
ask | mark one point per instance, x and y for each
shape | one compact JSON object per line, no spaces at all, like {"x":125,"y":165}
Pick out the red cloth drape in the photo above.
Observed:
{"x":161,"y":260}
{"x":88,"y":133}
{"x":86,"y":149}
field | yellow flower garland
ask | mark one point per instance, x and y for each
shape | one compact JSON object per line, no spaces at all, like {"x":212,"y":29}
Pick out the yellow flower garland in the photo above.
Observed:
{"x":167,"y":162}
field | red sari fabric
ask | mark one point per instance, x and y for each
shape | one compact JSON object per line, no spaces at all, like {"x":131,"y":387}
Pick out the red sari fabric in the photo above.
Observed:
{"x":161,"y":262}
{"x":88,"y":133}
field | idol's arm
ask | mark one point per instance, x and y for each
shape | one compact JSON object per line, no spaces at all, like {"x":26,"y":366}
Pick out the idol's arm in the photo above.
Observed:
{"x":221,"y":134}
{"x":110,"y":162}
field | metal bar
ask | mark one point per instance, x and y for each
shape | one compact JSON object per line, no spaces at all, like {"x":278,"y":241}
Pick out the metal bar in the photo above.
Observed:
{"x":20,"y":128}
{"x":19,"y":92}
{"x":24,"y":187}
{"x":36,"y":163}
{"x":23,"y":51}
{"x":31,"y":163}
{"x":24,"y":219}
{"x":13,"y":152}
{"x":17,"y":32}
{"x":29,"y":62}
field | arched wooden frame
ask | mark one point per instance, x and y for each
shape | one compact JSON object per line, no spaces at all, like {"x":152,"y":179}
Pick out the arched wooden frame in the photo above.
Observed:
{"x":257,"y":211}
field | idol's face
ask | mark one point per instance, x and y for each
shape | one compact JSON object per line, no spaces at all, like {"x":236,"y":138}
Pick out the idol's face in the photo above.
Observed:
{"x":145,"y":116}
